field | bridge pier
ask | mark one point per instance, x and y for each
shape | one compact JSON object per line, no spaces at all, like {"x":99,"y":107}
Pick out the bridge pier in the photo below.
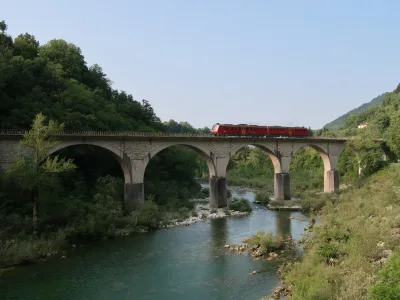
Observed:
{"x":133,"y":195}
{"x":282,"y":186}
{"x":331,"y":181}
{"x":218,"y":192}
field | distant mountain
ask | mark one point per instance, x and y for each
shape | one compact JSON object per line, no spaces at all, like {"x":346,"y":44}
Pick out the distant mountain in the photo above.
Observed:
{"x":339,"y":122}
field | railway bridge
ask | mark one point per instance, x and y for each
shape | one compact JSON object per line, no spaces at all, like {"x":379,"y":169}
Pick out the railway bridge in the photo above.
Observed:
{"x":134,"y":150}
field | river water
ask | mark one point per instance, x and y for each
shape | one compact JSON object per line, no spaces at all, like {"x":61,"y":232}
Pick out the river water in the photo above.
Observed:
{"x":179,"y":263}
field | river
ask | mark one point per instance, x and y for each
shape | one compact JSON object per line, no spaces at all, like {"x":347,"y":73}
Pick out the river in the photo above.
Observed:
{"x":179,"y":263}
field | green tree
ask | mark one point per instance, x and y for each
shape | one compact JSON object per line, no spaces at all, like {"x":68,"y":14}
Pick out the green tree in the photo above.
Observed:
{"x":393,"y":133}
{"x":33,"y":168}
{"x":26,"y":46}
{"x":366,"y":150}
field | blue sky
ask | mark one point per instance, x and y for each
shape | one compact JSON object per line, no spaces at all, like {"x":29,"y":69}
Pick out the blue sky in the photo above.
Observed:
{"x":206,"y":61}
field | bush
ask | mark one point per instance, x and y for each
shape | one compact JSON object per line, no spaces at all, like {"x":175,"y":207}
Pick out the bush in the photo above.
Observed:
{"x":266,"y":241}
{"x":240,"y":204}
{"x":388,"y":286}
{"x":148,"y":215}
{"x":262,"y":198}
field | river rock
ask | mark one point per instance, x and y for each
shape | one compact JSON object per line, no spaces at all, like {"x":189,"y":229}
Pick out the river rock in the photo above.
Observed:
{"x":396,"y":232}
{"x":381,"y":244}
{"x":386,"y":253}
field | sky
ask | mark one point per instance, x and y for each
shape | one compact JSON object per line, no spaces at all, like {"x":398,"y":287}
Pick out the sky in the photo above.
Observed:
{"x":288,"y":63}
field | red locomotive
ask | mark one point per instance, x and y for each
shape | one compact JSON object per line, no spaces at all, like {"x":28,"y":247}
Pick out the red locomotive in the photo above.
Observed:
{"x":254,"y":130}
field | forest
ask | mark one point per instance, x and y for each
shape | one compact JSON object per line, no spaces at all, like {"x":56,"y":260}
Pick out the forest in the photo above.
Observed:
{"x":80,"y":195}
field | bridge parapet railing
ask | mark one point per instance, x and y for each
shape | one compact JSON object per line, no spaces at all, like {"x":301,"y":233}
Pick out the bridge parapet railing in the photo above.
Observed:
{"x":21,"y":132}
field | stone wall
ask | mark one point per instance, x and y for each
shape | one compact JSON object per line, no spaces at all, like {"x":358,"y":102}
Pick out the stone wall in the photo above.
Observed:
{"x":8,"y":150}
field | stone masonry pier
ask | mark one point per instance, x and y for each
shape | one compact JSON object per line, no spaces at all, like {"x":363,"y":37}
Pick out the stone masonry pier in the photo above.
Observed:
{"x":134,"y":150}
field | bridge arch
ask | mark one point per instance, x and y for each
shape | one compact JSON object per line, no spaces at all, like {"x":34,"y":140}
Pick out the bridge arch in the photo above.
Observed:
{"x":275,"y":160}
{"x":323,"y":152}
{"x":116,"y":154}
{"x":270,"y":173}
{"x":329,"y":153}
{"x":203,"y":151}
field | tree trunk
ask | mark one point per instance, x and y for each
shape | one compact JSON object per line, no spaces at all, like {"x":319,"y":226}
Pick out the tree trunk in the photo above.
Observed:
{"x":34,"y":196}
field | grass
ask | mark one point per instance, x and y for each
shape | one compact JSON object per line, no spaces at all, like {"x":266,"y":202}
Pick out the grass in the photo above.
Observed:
{"x":29,"y":249}
{"x":343,"y":257}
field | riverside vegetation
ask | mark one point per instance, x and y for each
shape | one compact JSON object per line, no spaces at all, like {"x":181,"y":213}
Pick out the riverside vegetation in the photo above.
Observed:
{"x":353,"y":252}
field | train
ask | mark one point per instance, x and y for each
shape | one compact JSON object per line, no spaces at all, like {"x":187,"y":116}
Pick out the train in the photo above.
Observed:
{"x":258,"y":131}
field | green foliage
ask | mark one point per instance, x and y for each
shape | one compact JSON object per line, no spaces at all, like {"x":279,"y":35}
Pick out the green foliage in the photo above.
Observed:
{"x":343,"y":253}
{"x":148,"y":215}
{"x":262,"y":198}
{"x":240,"y":204}
{"x":33,"y":170}
{"x":250,"y":167}
{"x":306,"y":169}
{"x":266,"y":241}
{"x":54,"y":80}
{"x":388,"y":287}
{"x":367,"y":152}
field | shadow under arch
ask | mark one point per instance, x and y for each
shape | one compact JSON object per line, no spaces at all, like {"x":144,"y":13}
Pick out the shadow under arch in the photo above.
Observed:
{"x":115,"y":153}
{"x":200,"y":150}
{"x":157,"y":187}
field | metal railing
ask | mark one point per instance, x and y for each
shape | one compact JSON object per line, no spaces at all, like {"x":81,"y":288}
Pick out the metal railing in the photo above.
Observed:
{"x":93,"y":133}
{"x":19,"y":132}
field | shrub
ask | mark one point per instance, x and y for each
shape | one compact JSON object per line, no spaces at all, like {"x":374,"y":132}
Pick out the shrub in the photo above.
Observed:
{"x":240,"y":204}
{"x":388,"y":286}
{"x":184,"y":212}
{"x":148,"y":215}
{"x":266,"y":241}
{"x":262,"y":198}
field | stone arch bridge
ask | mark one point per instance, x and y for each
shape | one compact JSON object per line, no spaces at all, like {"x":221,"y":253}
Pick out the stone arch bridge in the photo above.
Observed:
{"x":134,"y":150}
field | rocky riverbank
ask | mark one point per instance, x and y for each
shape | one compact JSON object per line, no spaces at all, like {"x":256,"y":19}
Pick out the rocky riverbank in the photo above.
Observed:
{"x":263,"y":245}
{"x":39,"y":250}
{"x":203,"y":212}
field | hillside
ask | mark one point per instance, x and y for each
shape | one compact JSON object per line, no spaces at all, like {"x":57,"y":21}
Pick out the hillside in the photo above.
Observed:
{"x":349,"y":246}
{"x":339,"y":122}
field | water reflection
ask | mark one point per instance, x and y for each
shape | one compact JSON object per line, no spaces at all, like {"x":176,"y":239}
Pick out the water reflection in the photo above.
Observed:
{"x":283,"y":223}
{"x":219,"y":233}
